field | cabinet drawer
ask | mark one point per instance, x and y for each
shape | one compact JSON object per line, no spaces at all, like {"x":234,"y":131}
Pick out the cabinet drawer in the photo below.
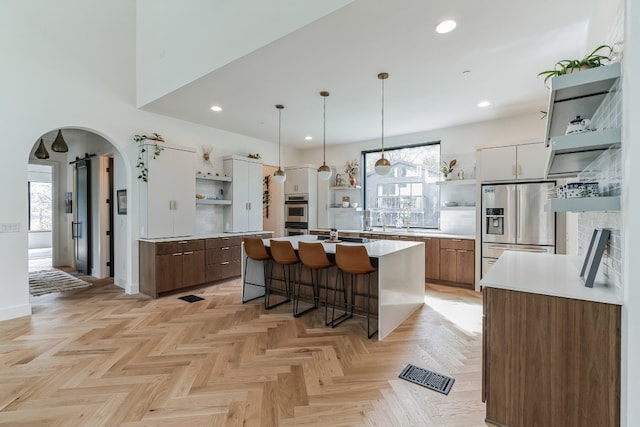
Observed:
{"x":222,"y":270}
{"x":457,"y":244}
{"x":225,"y":253}
{"x":223,"y":241}
{"x":166,"y":248}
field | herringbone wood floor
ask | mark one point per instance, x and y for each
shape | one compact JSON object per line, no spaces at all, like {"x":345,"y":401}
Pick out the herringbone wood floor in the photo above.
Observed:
{"x":99,"y":357}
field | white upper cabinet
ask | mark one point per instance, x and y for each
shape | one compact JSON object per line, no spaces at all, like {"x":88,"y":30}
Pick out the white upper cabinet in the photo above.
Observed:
{"x":298,"y":180}
{"x":245,"y":212}
{"x":167,"y":199}
{"x":512,"y":162}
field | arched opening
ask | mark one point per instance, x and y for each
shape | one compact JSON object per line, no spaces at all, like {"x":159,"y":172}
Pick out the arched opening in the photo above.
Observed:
{"x":73,"y":206}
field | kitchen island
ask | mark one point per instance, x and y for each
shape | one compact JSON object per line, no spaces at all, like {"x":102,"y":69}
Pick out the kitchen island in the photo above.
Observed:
{"x":398,"y":284}
{"x":551,"y":346}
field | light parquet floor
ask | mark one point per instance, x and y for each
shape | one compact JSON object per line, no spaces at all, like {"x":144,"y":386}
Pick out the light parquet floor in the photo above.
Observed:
{"x":99,"y":357}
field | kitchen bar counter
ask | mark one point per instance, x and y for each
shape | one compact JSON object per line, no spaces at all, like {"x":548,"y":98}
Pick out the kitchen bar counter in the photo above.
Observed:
{"x":548,"y":274}
{"x":400,"y":277}
{"x":203,"y":236}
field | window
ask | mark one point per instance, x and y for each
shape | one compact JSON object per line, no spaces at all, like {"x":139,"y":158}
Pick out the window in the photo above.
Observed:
{"x":40,"y":206}
{"x":408,"y":193}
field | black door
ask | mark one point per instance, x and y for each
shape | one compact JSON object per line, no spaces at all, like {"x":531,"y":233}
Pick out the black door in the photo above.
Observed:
{"x":82,"y":227}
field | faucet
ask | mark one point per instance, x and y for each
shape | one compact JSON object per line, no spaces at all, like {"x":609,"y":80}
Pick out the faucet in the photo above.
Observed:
{"x":407,"y":217}
{"x":383,"y":219}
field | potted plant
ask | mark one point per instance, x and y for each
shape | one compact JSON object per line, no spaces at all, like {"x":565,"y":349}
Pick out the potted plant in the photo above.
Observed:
{"x":447,"y":168}
{"x":143,"y":174}
{"x":599,"y":56}
{"x":352,"y":168}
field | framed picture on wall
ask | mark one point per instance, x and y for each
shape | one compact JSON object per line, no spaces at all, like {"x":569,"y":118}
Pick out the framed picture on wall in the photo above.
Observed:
{"x":122,"y":202}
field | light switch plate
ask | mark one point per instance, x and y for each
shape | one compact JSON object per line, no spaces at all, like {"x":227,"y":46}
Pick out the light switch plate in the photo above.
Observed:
{"x":9,"y":227}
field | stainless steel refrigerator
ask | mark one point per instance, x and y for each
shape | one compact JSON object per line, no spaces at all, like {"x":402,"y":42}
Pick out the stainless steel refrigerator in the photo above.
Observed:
{"x":513,"y":218}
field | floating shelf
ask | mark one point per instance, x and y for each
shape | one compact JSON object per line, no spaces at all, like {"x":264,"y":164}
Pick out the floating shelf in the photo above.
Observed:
{"x":584,"y":204}
{"x":358,"y":209}
{"x":577,"y":94}
{"x":212,"y":202}
{"x":457,"y":182}
{"x":457,"y":208}
{"x":214,"y":178}
{"x":345,"y":187}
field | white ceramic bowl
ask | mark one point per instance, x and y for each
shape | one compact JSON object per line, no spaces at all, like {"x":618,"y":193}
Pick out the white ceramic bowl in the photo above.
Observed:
{"x":354,"y":205}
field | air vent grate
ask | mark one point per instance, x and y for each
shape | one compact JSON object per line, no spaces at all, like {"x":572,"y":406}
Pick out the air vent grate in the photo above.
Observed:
{"x":434,"y":381}
{"x":191,"y":298}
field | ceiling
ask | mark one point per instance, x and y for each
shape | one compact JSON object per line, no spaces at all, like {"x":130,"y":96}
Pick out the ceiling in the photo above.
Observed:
{"x":435,"y":80}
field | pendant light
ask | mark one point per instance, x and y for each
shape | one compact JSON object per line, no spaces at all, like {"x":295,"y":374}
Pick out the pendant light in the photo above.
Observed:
{"x":59,"y":145}
{"x":41,"y":152}
{"x":383,"y":166}
{"x":279,"y":176}
{"x":324,"y":171}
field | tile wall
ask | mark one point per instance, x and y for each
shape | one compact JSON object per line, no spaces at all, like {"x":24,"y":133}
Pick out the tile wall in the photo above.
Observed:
{"x":607,"y":170}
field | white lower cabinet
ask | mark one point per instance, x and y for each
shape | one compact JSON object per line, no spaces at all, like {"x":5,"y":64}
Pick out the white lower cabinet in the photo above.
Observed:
{"x":245,"y":211}
{"x":167,"y":199}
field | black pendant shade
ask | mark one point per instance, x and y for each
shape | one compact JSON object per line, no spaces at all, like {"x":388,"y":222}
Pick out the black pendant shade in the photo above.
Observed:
{"x":41,"y":152}
{"x":59,"y":145}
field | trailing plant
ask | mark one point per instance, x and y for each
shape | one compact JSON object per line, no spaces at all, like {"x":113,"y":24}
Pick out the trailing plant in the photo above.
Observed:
{"x":448,"y":168}
{"x":143,"y":174}
{"x":592,"y":60}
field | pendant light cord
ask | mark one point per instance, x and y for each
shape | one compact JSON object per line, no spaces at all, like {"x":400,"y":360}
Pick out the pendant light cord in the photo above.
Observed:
{"x":382,"y":136}
{"x":279,"y":130}
{"x":324,"y":129}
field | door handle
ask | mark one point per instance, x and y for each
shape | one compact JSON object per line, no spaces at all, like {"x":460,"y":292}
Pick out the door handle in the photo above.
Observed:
{"x":513,"y":170}
{"x":519,"y":170}
{"x":75,"y":230}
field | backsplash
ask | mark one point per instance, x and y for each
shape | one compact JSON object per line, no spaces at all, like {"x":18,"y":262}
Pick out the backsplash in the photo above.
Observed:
{"x":607,"y":170}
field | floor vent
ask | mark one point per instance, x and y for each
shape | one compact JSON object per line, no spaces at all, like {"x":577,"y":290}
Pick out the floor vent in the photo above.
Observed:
{"x":426,"y":378}
{"x":191,"y":298}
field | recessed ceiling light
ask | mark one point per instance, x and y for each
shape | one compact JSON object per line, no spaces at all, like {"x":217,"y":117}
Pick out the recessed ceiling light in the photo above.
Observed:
{"x":216,"y":108}
{"x":484,"y":104}
{"x":308,"y":138}
{"x":446,"y":26}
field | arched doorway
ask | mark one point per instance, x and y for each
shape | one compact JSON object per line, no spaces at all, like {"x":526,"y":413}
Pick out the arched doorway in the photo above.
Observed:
{"x":82,"y":200}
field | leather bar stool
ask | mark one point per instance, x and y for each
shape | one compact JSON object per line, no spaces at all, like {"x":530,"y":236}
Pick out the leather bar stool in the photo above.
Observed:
{"x":284,"y":255}
{"x":255,"y":250}
{"x":315,"y":259}
{"x":352,"y":261}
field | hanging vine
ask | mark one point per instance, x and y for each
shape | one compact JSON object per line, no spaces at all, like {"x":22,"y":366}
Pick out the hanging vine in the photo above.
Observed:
{"x":143,"y":170}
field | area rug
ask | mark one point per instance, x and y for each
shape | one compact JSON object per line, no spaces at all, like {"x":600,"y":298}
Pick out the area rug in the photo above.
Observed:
{"x":49,"y":281}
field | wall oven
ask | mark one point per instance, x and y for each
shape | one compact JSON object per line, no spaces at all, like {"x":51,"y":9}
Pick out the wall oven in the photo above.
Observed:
{"x":296,"y":207}
{"x":296,"y":228}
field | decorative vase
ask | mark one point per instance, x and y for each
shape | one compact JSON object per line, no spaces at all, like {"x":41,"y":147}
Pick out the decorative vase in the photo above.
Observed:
{"x":352,"y":181}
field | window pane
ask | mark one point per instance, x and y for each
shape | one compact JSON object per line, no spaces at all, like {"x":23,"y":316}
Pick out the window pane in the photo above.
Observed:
{"x":408,"y":192}
{"x":40,"y":206}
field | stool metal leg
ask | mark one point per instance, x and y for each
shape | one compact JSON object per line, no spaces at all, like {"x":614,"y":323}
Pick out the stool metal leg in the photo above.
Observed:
{"x":347,"y":315}
{"x":267,"y":293}
{"x":296,"y":295}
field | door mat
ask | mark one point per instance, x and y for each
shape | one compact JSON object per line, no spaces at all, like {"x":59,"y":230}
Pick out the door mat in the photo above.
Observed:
{"x":191,"y":298}
{"x":50,"y":281}
{"x":429,"y":379}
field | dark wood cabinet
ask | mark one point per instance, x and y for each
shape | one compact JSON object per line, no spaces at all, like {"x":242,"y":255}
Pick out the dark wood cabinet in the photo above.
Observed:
{"x":457,"y":261}
{"x":550,"y":361}
{"x":168,"y":266}
{"x":180,"y":264}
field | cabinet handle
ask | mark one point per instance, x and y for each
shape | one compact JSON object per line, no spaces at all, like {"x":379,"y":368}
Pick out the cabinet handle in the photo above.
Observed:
{"x":226,"y":248}
{"x":513,"y":170}
{"x":450,"y":250}
{"x":188,"y":253}
{"x":456,"y":240}
{"x":184,"y":242}
{"x":224,"y":263}
{"x":519,"y":170}
{"x":463,"y":250}
{"x":177,"y":254}
{"x":224,"y":238}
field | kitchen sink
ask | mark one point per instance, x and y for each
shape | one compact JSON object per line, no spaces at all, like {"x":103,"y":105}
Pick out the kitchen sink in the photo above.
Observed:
{"x":350,"y":239}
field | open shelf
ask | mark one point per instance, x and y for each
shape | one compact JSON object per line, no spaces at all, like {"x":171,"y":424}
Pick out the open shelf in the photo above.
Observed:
{"x":214,"y":178}
{"x":457,"y":208}
{"x":457,"y":182}
{"x":212,"y":202}
{"x":584,"y":204}
{"x":578,"y":94}
{"x":345,"y":187}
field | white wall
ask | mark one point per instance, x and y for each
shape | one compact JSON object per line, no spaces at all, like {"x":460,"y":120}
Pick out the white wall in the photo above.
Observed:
{"x":178,"y":44}
{"x":71,"y":64}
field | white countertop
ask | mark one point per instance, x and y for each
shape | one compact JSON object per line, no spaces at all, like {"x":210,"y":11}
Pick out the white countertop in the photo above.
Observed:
{"x":375,"y":249}
{"x":403,"y":232}
{"x":548,"y":274}
{"x":202,"y":236}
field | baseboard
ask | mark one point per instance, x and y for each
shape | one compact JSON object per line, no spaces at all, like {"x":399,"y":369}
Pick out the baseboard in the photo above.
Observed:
{"x":129,"y":288}
{"x":15,"y":311}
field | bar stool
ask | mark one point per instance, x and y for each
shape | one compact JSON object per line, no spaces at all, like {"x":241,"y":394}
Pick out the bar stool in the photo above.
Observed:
{"x":352,"y":261}
{"x":313,"y":256}
{"x":255,"y":250}
{"x":283,"y":254}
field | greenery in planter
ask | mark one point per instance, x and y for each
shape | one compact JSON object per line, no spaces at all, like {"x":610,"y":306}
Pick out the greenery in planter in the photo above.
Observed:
{"x":143,"y":174}
{"x":592,"y":60}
